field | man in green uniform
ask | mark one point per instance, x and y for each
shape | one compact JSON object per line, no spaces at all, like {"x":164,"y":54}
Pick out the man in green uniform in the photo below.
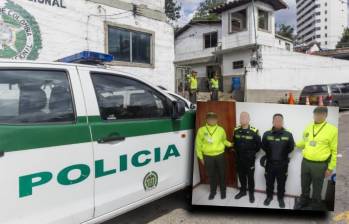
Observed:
{"x":319,"y":149}
{"x":247,"y":143}
{"x":210,"y":144}
{"x":193,"y":87}
{"x":277,"y":143}
{"x":214,"y":86}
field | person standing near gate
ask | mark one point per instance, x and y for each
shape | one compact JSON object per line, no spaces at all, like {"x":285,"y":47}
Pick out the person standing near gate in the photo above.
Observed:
{"x":319,"y":149}
{"x":214,"y":86}
{"x":247,"y":143}
{"x":193,"y":87}
{"x":277,"y":144}
{"x":210,"y":145}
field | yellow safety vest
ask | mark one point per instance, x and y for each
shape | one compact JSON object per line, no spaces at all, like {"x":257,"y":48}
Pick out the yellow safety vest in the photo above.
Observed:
{"x":320,"y":143}
{"x":193,"y":83}
{"x":214,"y":84}
{"x":211,"y":141}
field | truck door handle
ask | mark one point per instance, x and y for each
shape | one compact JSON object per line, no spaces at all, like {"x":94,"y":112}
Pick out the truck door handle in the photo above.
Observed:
{"x":2,"y":154}
{"x":111,"y":139}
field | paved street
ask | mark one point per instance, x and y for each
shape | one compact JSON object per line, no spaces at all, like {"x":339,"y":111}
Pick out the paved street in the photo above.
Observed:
{"x":175,"y":208}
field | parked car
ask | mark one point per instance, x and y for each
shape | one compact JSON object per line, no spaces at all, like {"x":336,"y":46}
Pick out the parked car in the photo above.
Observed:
{"x":333,"y":94}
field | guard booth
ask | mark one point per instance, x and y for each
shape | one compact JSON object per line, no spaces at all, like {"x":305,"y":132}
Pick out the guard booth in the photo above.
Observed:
{"x":226,"y":112}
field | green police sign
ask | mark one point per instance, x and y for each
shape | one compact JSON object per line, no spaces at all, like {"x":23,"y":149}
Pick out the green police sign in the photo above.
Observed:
{"x":139,"y":159}
{"x":20,"y":36}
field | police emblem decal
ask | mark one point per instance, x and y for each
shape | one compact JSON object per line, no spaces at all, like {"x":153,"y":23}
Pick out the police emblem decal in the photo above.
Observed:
{"x":20,"y":36}
{"x":150,"y":181}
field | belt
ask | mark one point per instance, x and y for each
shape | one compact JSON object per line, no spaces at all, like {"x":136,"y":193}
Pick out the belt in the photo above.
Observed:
{"x":312,"y":161}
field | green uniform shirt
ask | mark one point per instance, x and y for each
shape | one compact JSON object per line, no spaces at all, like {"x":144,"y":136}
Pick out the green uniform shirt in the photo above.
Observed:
{"x":193,"y":83}
{"x":214,"y":84}
{"x":211,"y":141}
{"x":319,"y":143}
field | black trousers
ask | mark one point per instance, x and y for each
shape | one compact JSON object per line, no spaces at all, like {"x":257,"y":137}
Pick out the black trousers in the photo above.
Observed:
{"x":276,"y":171}
{"x":214,"y":95}
{"x":215,"y":169}
{"x":246,"y":170}
{"x":192,"y":96}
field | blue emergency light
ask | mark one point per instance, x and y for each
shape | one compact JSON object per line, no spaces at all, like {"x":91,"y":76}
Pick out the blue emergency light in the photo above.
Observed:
{"x":88,"y":57}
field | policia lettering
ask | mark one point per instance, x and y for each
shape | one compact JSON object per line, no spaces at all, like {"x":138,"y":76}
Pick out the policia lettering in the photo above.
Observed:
{"x":139,"y":159}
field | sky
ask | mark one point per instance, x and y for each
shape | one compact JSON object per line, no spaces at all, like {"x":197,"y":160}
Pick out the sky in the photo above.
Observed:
{"x":286,"y":16}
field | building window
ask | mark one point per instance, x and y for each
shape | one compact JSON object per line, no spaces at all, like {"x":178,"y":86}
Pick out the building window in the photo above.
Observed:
{"x":325,"y":19}
{"x":325,"y":27}
{"x":325,"y":34}
{"x":211,"y":39}
{"x":263,"y":20}
{"x":318,"y":36}
{"x":238,"y":64}
{"x":130,"y":45}
{"x":288,"y":46}
{"x":238,"y":21}
{"x":325,"y":11}
{"x":326,"y":42}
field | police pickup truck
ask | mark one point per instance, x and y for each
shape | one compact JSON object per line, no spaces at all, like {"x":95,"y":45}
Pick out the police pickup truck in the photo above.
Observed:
{"x":83,"y":144}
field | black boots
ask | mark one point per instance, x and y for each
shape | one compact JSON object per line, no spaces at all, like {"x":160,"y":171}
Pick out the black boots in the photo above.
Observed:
{"x":211,"y":196}
{"x":301,"y":203}
{"x":240,"y":194}
{"x":223,"y":195}
{"x":268,"y":200}
{"x":281,"y":202}
{"x":251,"y":195}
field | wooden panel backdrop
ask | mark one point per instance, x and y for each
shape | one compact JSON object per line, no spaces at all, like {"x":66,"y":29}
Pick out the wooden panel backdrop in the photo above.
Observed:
{"x":226,"y":114}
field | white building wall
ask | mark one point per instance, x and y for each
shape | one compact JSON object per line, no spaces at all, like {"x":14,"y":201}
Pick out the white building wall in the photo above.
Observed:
{"x":156,"y":5}
{"x":248,"y":37}
{"x":283,"y":71}
{"x":81,"y":26}
{"x":228,"y":59}
{"x":190,"y":44}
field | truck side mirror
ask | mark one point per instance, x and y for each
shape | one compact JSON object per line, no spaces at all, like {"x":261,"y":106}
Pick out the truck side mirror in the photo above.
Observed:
{"x":178,"y":109}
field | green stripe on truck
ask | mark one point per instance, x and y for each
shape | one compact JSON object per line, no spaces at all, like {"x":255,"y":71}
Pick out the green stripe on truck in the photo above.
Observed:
{"x":26,"y":137}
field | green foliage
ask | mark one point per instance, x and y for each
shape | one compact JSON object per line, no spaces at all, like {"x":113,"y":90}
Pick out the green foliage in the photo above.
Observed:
{"x":286,"y":31}
{"x":172,"y":10}
{"x":344,"y":41}
{"x":203,"y":13}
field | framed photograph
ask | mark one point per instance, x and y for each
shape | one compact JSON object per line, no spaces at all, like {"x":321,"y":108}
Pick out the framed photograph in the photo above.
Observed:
{"x":260,"y":155}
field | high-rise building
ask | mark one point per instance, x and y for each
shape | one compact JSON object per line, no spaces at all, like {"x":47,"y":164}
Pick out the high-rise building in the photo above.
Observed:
{"x":321,"y":21}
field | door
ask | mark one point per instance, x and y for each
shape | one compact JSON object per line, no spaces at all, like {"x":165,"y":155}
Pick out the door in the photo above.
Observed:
{"x":45,"y":145}
{"x":140,"y":153}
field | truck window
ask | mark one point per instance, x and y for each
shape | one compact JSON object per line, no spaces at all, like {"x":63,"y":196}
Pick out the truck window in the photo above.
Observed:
{"x":335,"y":89}
{"x":30,"y":96}
{"x":345,"y":88}
{"x":125,"y":98}
{"x":315,"y":89}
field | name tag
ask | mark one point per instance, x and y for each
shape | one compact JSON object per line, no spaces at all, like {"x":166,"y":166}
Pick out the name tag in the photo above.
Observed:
{"x":313,"y":143}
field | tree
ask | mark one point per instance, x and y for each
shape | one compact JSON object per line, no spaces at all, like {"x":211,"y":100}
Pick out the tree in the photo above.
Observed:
{"x":202,"y":11}
{"x":172,"y":9}
{"x":286,"y":31}
{"x":344,"y":41}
